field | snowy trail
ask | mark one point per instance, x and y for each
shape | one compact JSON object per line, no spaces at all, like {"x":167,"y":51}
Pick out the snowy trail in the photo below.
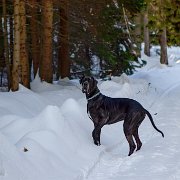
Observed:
{"x":46,"y":133}
{"x":113,"y":164}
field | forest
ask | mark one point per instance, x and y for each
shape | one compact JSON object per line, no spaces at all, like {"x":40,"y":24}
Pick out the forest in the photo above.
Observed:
{"x":130,"y":52}
{"x":55,"y":39}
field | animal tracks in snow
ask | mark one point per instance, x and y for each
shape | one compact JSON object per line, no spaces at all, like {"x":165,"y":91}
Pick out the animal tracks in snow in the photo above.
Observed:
{"x":112,"y":162}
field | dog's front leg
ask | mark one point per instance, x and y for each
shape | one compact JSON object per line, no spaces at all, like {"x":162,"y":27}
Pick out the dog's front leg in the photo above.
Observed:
{"x":96,"y":135}
{"x":98,"y":124}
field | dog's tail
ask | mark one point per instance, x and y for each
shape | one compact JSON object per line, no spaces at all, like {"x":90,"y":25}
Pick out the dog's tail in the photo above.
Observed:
{"x":152,"y":122}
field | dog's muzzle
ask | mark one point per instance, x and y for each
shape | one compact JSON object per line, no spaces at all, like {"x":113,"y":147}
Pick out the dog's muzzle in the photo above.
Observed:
{"x":85,"y":87}
{"x":83,"y":90}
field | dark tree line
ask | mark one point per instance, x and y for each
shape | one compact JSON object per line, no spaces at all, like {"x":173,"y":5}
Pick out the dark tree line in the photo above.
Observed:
{"x":59,"y":38}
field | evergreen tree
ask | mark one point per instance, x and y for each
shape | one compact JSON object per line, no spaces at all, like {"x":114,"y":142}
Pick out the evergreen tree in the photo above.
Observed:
{"x":119,"y":45}
{"x":16,"y":52}
{"x":105,"y":31}
{"x":164,"y":19}
{"x":163,"y":45}
{"x":63,"y":59}
{"x":1,"y":39}
{"x":6,"y":46}
{"x":46,"y":71}
{"x":162,"y":14}
{"x":24,"y":60}
{"x":34,"y":34}
{"x":146,"y":34}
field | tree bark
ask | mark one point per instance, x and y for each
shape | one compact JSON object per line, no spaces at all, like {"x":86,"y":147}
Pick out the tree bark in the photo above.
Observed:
{"x":163,"y":44}
{"x":24,"y":61}
{"x":11,"y":39}
{"x":146,"y":35}
{"x":35,"y":40}
{"x":138,"y":33}
{"x":46,"y":71}
{"x":16,"y":51}
{"x":64,"y":61}
{"x":6,"y":46}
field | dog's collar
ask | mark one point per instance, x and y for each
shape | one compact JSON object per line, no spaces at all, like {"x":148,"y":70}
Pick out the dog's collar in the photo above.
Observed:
{"x":93,"y":96}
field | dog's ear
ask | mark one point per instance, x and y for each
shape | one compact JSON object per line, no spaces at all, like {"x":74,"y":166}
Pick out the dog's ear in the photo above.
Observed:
{"x":94,"y":81}
{"x":81,"y":78}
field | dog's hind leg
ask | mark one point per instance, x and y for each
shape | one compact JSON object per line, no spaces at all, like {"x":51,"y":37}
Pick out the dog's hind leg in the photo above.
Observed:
{"x":129,"y":137}
{"x":137,"y":121}
{"x":132,"y":145}
{"x":136,"y":137}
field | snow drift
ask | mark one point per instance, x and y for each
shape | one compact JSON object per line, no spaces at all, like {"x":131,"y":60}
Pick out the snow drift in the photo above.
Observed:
{"x":46,"y":133}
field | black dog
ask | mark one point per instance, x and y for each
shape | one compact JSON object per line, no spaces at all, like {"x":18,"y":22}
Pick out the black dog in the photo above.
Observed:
{"x":105,"y":110}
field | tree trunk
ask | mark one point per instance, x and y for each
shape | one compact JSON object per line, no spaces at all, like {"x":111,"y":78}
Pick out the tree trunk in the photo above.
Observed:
{"x":138,"y":32}
{"x":35,"y":40}
{"x":11,"y":39}
{"x":24,"y":61}
{"x":6,"y":46}
{"x":16,"y":51}
{"x":46,"y":72}
{"x":64,"y":61}
{"x":2,"y":54}
{"x":163,"y":44}
{"x":146,"y":35}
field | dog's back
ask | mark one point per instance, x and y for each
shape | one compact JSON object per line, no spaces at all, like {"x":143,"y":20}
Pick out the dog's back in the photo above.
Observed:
{"x":119,"y":108}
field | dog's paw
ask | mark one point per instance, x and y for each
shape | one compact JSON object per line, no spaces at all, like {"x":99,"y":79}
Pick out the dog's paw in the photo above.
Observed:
{"x":97,"y":143}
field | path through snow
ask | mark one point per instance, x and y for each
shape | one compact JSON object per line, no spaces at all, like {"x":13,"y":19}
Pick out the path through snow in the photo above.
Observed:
{"x":157,"y":159}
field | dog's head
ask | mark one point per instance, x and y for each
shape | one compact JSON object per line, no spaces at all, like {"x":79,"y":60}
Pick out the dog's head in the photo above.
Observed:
{"x":89,"y":84}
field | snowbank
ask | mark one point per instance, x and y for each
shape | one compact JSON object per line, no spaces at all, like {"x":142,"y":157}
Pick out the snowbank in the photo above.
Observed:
{"x":46,"y":133}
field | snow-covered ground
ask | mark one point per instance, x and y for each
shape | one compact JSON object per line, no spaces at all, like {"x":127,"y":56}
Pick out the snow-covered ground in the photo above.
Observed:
{"x":45,"y":134}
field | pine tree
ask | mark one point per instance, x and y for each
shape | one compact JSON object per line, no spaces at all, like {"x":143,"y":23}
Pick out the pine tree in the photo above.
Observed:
{"x":2,"y":58}
{"x":24,"y":74}
{"x":146,"y":34}
{"x":103,"y":31}
{"x":35,"y":35}
{"x":16,"y":52}
{"x":6,"y":47}
{"x":163,"y":44}
{"x":138,"y":31}
{"x":46,"y":73}
{"x":63,"y":60}
{"x":117,"y":33}
{"x":164,"y":23}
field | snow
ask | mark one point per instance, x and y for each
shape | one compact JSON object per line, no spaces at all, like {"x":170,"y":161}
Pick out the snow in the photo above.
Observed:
{"x":45,"y":133}
{"x":95,"y":67}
